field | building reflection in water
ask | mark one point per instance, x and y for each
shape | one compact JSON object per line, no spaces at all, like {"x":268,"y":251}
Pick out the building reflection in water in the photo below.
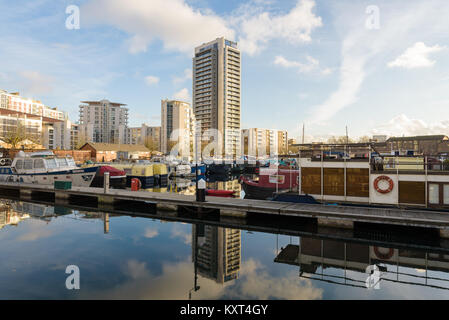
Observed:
{"x":216,"y":252}
{"x":9,"y":216}
{"x":216,"y":182}
{"x":12,"y":212}
{"x":317,"y":257}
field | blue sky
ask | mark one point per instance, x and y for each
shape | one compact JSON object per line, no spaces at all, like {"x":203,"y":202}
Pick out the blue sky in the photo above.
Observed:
{"x":304,"y":61}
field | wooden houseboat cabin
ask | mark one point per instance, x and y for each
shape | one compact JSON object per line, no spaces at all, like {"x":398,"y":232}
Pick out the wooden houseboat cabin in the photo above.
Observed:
{"x":419,"y":181}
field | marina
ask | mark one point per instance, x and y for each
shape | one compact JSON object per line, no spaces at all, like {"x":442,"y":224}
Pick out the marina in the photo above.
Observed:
{"x":156,"y":254}
{"x":327,"y":215}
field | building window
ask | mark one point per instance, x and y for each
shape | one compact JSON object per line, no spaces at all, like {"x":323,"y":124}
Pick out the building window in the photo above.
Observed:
{"x":434,"y":193}
{"x":446,"y":194}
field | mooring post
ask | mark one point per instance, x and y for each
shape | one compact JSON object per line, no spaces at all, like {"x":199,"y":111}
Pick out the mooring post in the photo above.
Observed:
{"x":201,"y":191}
{"x":106,"y":182}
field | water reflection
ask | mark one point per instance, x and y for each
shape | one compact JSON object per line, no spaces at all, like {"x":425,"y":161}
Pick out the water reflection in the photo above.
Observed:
{"x":216,"y":252}
{"x":9,"y":216}
{"x":123,"y":257}
{"x":319,"y":259}
{"x":216,"y":182}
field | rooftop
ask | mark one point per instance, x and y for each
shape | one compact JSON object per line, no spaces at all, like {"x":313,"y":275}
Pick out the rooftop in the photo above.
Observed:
{"x":117,"y":147}
{"x":431,"y":137}
{"x":104,"y":101}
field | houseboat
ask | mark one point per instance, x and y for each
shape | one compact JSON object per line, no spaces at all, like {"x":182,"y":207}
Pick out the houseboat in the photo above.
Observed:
{"x":45,"y":168}
{"x":400,"y":181}
{"x":416,"y":181}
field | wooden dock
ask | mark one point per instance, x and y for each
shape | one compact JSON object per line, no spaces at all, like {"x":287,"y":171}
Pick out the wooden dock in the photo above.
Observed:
{"x":326,"y":215}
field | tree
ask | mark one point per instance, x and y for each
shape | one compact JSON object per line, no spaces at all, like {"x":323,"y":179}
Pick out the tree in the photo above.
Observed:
{"x":364,"y":139}
{"x":339,"y":140}
{"x":17,"y":135}
{"x":152,"y":144}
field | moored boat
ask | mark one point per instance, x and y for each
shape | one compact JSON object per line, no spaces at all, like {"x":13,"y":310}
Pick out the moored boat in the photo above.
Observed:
{"x":220,"y":193}
{"x":270,"y":181}
{"x":117,"y":178}
{"x":45,"y":168}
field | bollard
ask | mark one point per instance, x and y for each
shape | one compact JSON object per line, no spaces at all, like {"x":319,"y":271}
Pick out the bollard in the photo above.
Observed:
{"x":201,"y":191}
{"x":106,"y":182}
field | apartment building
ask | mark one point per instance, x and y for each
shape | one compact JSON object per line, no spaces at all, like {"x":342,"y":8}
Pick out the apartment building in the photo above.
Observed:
{"x":216,"y":93}
{"x":259,"y":142}
{"x":103,"y":121}
{"x":282,"y":142}
{"x":60,"y":135}
{"x":42,"y":124}
{"x":145,"y":135}
{"x":177,"y":127}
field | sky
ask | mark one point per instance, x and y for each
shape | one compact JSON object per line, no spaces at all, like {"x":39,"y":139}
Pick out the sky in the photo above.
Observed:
{"x":377,"y":67}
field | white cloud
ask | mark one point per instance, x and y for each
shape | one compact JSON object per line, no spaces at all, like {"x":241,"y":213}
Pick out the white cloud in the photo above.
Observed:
{"x":175,"y":282}
{"x":311,"y":65}
{"x":178,"y":232}
{"x":362,"y":46}
{"x":150,"y":233}
{"x":416,"y":56}
{"x":174,"y":22}
{"x":151,"y":80}
{"x":402,"y":125}
{"x":182,"y":27}
{"x":186,"y":76}
{"x":182,"y":95}
{"x":296,"y":27}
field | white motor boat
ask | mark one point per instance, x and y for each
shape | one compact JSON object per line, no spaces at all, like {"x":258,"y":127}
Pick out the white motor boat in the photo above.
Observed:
{"x":45,"y":168}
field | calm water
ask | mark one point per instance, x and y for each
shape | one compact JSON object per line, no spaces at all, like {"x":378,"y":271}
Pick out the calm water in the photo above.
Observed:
{"x":143,"y":258}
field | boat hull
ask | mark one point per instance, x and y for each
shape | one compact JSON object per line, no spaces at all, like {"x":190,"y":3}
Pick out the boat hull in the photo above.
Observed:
{"x":257,"y":192}
{"x":81,"y":177}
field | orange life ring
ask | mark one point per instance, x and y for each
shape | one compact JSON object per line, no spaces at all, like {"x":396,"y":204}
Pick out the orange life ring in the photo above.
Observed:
{"x":384,"y":256}
{"x":390,"y":184}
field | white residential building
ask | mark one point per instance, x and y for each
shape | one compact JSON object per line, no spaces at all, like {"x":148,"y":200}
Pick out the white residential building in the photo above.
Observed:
{"x":216,"y":92}
{"x":44,"y":125}
{"x":259,"y":142}
{"x":103,"y":121}
{"x":177,"y":127}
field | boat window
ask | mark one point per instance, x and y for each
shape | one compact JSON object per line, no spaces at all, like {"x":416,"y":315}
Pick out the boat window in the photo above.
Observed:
{"x":51,"y":163}
{"x":71,"y":162}
{"x":446,"y":194}
{"x":61,"y":162}
{"x":28,"y":164}
{"x":39,"y":164}
{"x":19,"y":164}
{"x":434,"y":193}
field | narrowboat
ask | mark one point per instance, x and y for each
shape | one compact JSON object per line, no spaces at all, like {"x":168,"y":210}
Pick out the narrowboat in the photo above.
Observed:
{"x":160,"y":172}
{"x":220,"y":193}
{"x":117,"y":178}
{"x":142,"y":172}
{"x":271,"y":180}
